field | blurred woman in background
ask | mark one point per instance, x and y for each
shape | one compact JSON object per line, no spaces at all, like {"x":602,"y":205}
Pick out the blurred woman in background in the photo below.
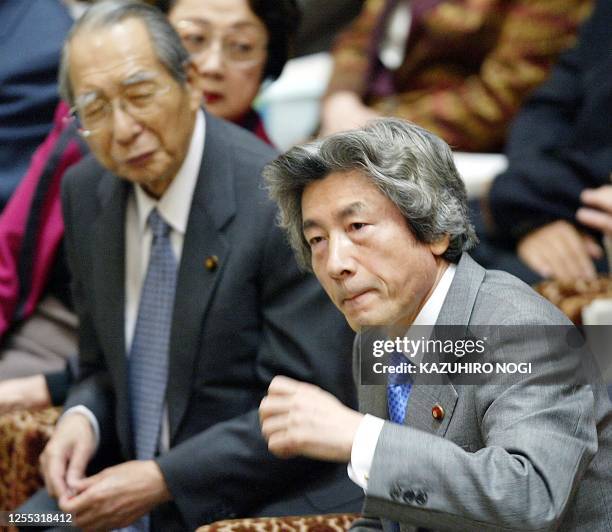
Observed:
{"x":235,"y":46}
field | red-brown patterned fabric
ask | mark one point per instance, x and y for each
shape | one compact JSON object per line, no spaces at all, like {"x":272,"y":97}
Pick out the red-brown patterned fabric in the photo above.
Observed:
{"x":23,"y":435}
{"x":572,"y":296}
{"x":309,"y":523}
{"x":468,"y":65}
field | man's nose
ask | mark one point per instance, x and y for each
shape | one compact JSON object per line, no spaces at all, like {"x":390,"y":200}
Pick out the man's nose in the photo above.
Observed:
{"x":125,"y":127}
{"x":340,"y":260}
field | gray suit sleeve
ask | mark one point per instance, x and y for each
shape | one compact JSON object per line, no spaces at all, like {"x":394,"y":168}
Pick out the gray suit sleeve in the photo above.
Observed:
{"x":538,"y":436}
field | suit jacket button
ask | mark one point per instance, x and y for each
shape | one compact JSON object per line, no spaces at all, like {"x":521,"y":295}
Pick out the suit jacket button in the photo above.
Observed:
{"x":211,"y":263}
{"x":437,"y":412}
{"x":421,"y":498}
{"x":408,"y":496}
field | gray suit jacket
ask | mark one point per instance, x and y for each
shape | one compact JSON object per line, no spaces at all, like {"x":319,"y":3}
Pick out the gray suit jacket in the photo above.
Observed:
{"x":234,"y":327}
{"x":535,"y":454}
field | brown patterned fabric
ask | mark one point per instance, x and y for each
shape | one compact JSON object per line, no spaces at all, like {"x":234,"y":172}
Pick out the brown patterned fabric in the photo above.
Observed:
{"x":572,"y":296}
{"x":468,"y":65}
{"x":23,"y":435}
{"x":310,"y":523}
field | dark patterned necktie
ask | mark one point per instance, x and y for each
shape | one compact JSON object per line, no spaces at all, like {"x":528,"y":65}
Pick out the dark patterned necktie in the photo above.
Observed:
{"x":148,"y":360}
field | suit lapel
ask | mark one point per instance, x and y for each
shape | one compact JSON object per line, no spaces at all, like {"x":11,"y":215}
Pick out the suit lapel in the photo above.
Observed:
{"x":456,"y":311}
{"x":109,"y":289}
{"x":423,"y":399}
{"x":212,"y":208}
{"x":459,"y":302}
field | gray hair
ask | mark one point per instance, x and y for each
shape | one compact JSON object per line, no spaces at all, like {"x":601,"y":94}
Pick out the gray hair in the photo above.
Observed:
{"x":409,"y":165}
{"x":164,"y":39}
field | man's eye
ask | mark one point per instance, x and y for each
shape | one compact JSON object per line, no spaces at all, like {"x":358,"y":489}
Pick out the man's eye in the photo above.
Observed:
{"x":140,"y":97}
{"x":195,"y":40}
{"x":315,"y":240}
{"x":93,"y":110}
{"x":144,"y":91}
{"x":358,"y":225}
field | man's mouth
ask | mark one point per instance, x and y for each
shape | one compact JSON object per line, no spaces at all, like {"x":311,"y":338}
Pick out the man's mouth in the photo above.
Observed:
{"x":141,"y":159}
{"x":355,"y":298}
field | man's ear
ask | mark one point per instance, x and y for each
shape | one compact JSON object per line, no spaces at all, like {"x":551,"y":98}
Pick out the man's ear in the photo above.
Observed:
{"x":440,"y":246}
{"x":194,"y":86}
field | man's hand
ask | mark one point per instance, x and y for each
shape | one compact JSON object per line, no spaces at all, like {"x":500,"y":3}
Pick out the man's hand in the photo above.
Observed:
{"x":298,"y":418}
{"x":342,"y":111}
{"x":597,"y":212}
{"x":117,"y":495}
{"x":25,"y":392}
{"x":559,"y":251}
{"x":65,"y":458}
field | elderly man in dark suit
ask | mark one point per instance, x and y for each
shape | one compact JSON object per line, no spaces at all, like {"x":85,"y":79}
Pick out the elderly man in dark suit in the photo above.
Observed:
{"x":188,"y":297}
{"x":380,"y":215}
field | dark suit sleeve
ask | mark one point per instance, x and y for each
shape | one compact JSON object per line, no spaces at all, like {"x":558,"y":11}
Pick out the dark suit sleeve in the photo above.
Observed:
{"x":227,"y":470}
{"x":539,"y":186}
{"x":556,"y":147}
{"x":58,"y":383}
{"x":92,"y":388}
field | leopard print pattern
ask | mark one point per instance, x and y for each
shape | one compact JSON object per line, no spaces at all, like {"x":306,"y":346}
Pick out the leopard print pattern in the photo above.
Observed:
{"x":23,"y":435}
{"x":572,"y":296}
{"x":311,"y":523}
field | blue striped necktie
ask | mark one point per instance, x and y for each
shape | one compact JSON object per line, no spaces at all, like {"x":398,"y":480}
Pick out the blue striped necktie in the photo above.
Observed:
{"x":148,"y":360}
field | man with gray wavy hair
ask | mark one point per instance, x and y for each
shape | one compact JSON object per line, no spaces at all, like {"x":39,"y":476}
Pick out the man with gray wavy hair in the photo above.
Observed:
{"x":380,"y":216}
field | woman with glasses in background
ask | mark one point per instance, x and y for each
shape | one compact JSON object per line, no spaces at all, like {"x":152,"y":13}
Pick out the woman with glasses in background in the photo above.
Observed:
{"x":235,"y":46}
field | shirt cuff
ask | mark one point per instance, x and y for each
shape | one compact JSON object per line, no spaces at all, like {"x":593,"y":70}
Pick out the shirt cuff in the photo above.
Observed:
{"x":362,"y":452}
{"x":80,"y":409}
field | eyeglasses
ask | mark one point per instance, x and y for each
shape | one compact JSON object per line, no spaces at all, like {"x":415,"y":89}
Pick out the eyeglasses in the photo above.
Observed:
{"x":243,"y":48}
{"x":93,"y":112}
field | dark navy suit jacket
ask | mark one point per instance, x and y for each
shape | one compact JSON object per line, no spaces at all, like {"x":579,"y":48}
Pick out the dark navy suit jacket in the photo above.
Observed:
{"x":561,"y":142}
{"x":31,"y":36}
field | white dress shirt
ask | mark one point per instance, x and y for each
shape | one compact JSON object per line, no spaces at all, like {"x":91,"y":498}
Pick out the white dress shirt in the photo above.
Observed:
{"x":174,"y":207}
{"x":368,"y":432}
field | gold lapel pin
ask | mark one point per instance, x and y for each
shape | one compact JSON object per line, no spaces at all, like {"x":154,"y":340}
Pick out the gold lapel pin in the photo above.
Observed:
{"x":211,"y":263}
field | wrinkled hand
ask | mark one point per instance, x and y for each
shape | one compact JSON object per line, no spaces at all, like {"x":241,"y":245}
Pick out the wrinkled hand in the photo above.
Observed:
{"x":116,"y":496}
{"x":22,"y":393}
{"x":597,"y":212}
{"x":342,"y":111}
{"x":559,"y":251}
{"x":65,"y":458}
{"x":298,"y":418}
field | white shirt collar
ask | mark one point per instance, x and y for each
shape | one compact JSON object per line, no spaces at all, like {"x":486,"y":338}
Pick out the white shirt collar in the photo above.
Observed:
{"x":424,"y":323}
{"x":174,"y":205}
{"x":431,"y":310}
